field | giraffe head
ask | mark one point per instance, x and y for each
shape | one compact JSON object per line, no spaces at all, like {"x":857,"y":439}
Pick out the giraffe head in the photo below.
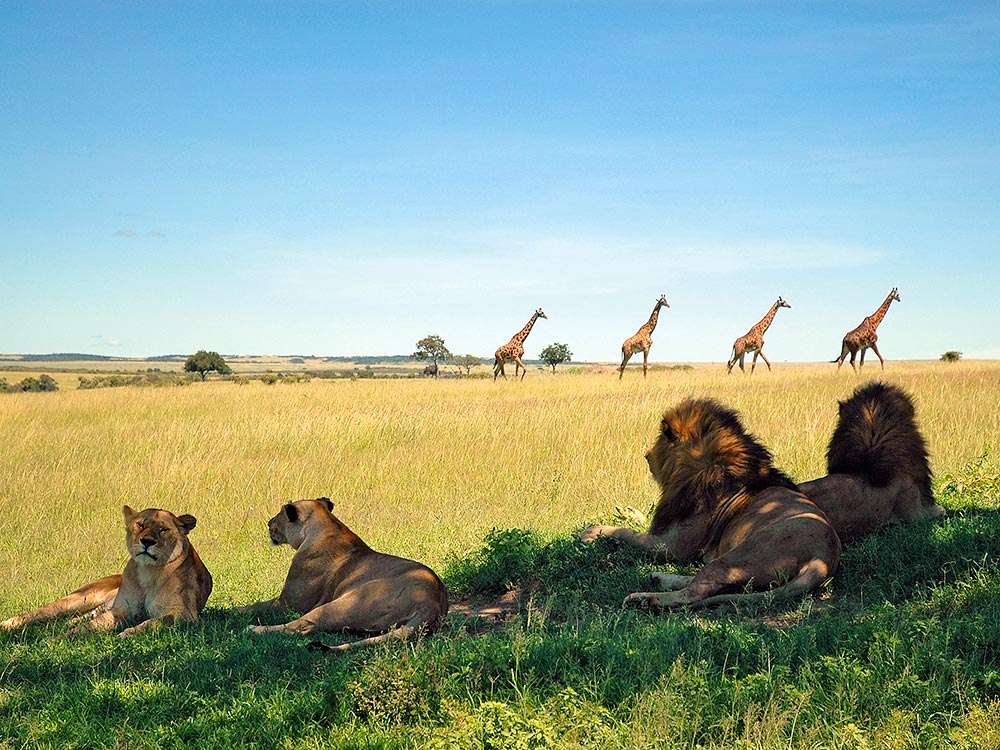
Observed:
{"x":663,"y":301}
{"x":894,"y":294}
{"x":782,"y":303}
{"x":540,"y":314}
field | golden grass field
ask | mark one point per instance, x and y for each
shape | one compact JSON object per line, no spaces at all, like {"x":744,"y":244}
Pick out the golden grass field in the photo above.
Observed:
{"x":421,"y":468}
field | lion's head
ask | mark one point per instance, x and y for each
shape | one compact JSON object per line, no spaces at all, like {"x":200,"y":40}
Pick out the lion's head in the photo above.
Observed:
{"x":703,"y":455}
{"x":155,"y":537}
{"x":288,"y":526}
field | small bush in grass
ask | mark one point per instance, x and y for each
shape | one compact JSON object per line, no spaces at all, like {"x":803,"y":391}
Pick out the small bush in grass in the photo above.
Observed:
{"x":393,"y":691}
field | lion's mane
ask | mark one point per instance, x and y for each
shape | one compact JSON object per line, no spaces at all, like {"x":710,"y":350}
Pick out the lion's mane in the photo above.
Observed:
{"x":704,"y":460}
{"x":878,"y":440}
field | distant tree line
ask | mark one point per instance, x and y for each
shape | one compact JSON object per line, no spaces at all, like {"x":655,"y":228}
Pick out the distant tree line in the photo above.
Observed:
{"x":141,"y":379}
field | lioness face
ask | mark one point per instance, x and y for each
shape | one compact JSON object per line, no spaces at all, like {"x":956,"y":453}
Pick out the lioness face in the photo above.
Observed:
{"x":154,"y":537}
{"x":290,"y":524}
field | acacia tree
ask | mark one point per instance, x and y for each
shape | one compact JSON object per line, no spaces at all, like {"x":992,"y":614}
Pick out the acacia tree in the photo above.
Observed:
{"x":432,"y":347}
{"x":203,"y":362}
{"x":556,"y":354}
{"x":466,"y":362}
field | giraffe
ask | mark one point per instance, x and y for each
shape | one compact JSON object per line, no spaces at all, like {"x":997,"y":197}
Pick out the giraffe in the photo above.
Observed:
{"x":642,"y":339}
{"x":753,"y":340}
{"x":514,"y":348}
{"x":864,"y":337}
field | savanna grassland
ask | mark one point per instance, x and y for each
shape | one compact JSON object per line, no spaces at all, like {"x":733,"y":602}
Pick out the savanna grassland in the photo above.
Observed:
{"x":487,"y":482}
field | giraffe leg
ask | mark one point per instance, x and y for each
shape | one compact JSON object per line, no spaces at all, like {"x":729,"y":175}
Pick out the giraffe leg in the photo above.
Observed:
{"x":854,"y":353}
{"x":844,"y":349}
{"x":645,"y":361}
{"x":861,"y":362}
{"x":761,"y":353}
{"x":753,"y":362}
{"x":879,"y":355}
{"x":626,"y":356}
{"x":498,"y":370}
{"x":732,"y":361}
{"x":524,"y":370}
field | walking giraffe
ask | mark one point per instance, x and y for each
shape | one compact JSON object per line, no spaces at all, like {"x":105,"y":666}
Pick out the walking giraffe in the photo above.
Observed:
{"x":642,"y":339}
{"x":514,"y":348}
{"x":753,"y":340}
{"x":864,"y":337}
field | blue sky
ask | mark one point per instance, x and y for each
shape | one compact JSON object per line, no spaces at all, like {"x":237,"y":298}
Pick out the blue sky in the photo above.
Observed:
{"x":345,"y":178}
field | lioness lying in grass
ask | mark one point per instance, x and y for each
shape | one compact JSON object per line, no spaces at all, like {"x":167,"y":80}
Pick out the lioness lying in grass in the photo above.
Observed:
{"x":343,"y":585}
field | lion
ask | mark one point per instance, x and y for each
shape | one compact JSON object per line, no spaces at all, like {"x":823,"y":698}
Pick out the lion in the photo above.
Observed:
{"x":878,"y":472}
{"x":343,"y":585}
{"x":164,"y":580}
{"x":723,"y":502}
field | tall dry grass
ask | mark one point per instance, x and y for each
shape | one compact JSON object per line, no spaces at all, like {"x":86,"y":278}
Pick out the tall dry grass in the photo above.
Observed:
{"x":420,"y":468}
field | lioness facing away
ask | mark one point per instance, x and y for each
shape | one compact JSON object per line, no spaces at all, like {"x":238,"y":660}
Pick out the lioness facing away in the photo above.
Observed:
{"x":343,"y":585}
{"x":164,"y":580}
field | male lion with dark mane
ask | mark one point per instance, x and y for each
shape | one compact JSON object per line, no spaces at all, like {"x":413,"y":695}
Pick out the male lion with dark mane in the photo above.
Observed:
{"x":164,"y":580}
{"x":340,"y":584}
{"x":722,"y":501}
{"x":877,"y":464}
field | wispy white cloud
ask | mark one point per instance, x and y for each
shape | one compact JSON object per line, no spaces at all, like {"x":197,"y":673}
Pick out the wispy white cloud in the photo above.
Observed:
{"x":462,"y":267}
{"x":133,"y":233}
{"x":98,"y":341}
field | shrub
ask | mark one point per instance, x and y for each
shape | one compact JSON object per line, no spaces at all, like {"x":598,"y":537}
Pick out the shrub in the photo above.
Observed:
{"x":30,"y":385}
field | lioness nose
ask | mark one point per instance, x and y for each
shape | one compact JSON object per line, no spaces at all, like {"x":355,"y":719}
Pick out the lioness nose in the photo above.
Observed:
{"x":147,"y":541}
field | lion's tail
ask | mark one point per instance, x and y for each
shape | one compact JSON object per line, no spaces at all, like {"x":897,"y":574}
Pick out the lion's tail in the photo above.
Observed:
{"x":401,"y":633}
{"x":877,"y":439}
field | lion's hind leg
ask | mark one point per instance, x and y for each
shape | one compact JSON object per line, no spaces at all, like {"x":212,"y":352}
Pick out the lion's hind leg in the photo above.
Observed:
{"x":700,"y":594}
{"x":87,"y":601}
{"x":348,"y":612}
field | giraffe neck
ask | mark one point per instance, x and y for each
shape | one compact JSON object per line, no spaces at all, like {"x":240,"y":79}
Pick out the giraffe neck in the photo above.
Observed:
{"x":765,"y":322}
{"x":523,"y":333}
{"x":651,"y":323}
{"x":876,"y":317}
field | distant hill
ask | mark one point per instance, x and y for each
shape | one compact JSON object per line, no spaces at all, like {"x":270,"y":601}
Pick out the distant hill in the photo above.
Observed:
{"x":64,"y":357}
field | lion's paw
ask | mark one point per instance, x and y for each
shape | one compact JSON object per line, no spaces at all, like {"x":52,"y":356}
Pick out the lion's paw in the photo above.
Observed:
{"x":593,"y":533}
{"x":640,"y":600}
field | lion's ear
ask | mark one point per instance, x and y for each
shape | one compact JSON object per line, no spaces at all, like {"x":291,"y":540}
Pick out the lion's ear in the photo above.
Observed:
{"x":129,"y":513}
{"x":291,"y":512}
{"x":187,"y":522}
{"x":327,"y":502}
{"x":668,"y":431}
